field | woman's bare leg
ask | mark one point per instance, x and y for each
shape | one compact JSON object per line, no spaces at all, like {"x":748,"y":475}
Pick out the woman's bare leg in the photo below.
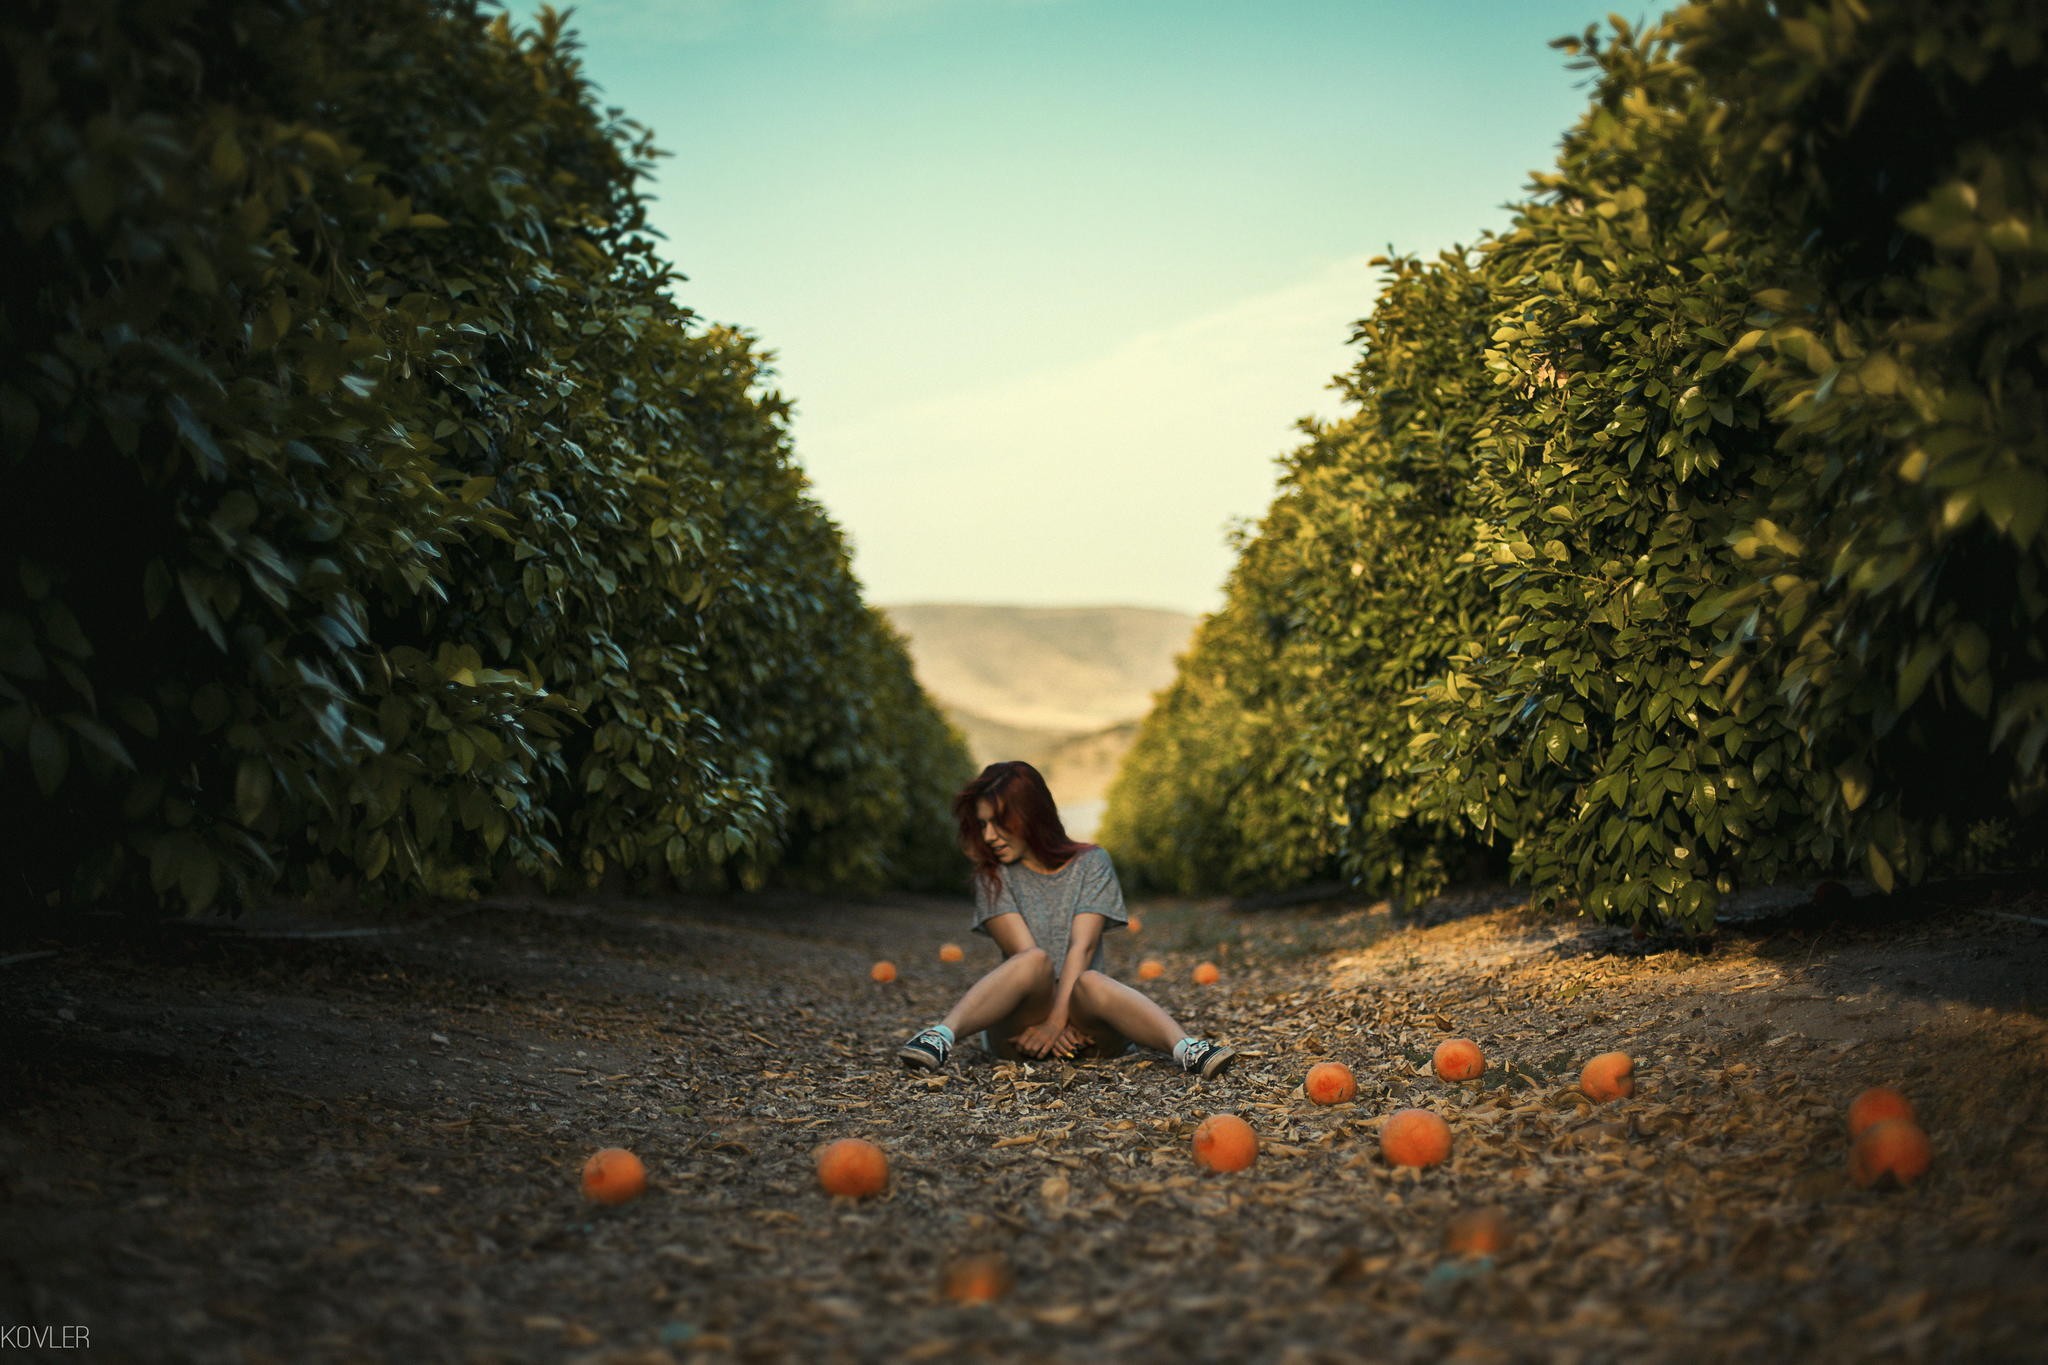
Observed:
{"x":1017,"y":980}
{"x":1132,"y":1013}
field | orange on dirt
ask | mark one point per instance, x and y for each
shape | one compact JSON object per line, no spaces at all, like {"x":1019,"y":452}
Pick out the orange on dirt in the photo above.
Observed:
{"x":1477,"y":1232}
{"x":1330,"y":1083}
{"x":613,"y":1176}
{"x":853,"y":1168}
{"x":950,"y":952}
{"x":1206,"y":974}
{"x":1877,"y":1104}
{"x":1831,"y":896}
{"x":1610,"y":1076}
{"x":1225,"y":1142}
{"x":1151,"y":969}
{"x":1414,"y":1137}
{"x":1890,"y":1152}
{"x":883,"y":971}
{"x":1458,"y":1059}
{"x":1133,"y":925}
{"x":978,"y":1279}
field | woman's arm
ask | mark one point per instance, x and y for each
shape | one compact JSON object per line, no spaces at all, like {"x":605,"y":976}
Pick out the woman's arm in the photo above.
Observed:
{"x":1085,"y":932}
{"x":1055,"y":1033}
{"x":1010,"y":932}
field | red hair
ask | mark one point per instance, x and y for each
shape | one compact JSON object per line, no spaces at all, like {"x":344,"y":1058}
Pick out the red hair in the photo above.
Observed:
{"x":1023,"y":806}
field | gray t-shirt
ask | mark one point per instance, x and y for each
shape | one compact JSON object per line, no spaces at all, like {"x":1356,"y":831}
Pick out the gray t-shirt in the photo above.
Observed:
{"x":1048,"y":901}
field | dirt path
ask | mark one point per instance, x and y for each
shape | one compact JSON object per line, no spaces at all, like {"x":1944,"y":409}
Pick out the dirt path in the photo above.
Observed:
{"x":265,"y":1149}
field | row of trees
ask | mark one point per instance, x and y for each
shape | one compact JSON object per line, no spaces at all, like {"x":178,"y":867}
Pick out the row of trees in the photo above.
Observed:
{"x":374,"y":509}
{"x":1687,"y":534}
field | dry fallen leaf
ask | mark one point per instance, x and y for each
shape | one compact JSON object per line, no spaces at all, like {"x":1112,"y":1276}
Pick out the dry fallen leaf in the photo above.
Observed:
{"x":1714,"y":1220}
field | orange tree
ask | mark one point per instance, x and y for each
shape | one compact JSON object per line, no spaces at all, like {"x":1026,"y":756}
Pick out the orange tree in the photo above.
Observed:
{"x":378,"y":512}
{"x":1587,"y":727}
{"x":1751,"y":578}
{"x":1201,"y":801}
{"x":1281,"y":754}
{"x":1894,"y":590}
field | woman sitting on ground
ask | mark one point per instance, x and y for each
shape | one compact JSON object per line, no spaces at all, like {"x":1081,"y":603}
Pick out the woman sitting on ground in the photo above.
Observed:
{"x":1046,"y":900}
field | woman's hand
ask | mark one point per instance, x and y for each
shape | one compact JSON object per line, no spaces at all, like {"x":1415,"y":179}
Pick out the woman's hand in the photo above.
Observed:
{"x":1050,"y":1037}
{"x":1040,"y":1039}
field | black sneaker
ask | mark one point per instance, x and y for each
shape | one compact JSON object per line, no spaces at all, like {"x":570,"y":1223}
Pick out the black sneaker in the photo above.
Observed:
{"x":928,"y":1050}
{"x":1207,"y":1059}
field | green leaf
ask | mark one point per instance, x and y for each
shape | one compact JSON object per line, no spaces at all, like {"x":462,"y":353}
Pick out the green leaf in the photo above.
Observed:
{"x":1855,"y":783}
{"x":227,"y":162}
{"x":138,"y":715}
{"x":198,"y":876}
{"x":376,"y":856}
{"x":252,"y":789}
{"x":213,"y":464}
{"x":1919,"y":667}
{"x":101,"y":738}
{"x":48,"y":755}
{"x":195,"y":587}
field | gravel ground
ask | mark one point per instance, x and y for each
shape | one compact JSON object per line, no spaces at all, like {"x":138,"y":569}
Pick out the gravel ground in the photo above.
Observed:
{"x":307,"y":1141}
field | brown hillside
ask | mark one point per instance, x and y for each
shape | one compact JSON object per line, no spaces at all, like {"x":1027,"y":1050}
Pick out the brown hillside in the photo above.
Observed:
{"x":1064,"y":669}
{"x":1062,"y":688}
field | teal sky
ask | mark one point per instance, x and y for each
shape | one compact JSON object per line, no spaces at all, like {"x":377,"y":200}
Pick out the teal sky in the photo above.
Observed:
{"x":1050,"y":281}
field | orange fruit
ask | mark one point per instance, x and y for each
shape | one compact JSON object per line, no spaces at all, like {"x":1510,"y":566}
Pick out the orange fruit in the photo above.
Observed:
{"x":1225,"y":1142}
{"x":883,"y":971}
{"x":1206,"y":974}
{"x":1890,"y":1152}
{"x":950,"y":952}
{"x":1151,"y":969}
{"x":1458,"y":1059}
{"x":613,"y":1176}
{"x":1610,"y":1076}
{"x":853,"y":1168}
{"x":978,"y":1279}
{"x":1133,"y":925}
{"x":1477,"y":1232}
{"x":1831,"y":896}
{"x":1331,"y":1083}
{"x":1877,"y":1104}
{"x":1414,"y":1137}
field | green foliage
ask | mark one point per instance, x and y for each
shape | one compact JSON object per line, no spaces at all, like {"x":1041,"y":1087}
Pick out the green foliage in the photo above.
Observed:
{"x":1717,"y":555}
{"x":377,"y":512}
{"x":1895,"y":566}
{"x":1273,"y":758}
{"x":1205,"y":773}
{"x":1588,"y":729}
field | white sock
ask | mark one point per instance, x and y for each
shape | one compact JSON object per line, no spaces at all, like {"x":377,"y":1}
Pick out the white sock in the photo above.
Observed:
{"x":945,"y":1033}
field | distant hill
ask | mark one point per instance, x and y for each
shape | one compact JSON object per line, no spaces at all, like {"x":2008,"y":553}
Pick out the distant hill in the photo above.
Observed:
{"x":1061,"y":687}
{"x":1067,"y":669}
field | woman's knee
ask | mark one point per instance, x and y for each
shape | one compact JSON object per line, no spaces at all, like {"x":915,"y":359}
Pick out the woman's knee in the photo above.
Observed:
{"x":1035,"y":961}
{"x":1092,"y":987}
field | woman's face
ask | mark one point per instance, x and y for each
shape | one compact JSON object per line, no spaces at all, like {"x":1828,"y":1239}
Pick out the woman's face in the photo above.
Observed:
{"x":1000,"y":842}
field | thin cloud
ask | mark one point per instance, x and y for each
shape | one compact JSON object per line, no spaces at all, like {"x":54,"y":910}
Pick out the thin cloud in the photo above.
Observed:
{"x":1125,"y":467}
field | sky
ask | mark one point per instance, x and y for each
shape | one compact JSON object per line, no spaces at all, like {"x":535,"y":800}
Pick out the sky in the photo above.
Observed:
{"x":1051,"y":282}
